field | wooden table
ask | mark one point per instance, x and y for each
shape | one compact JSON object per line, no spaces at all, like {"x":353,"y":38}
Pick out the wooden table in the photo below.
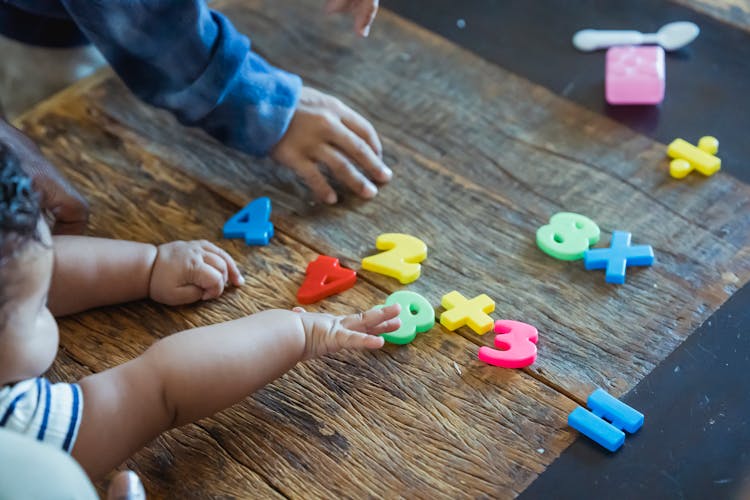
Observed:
{"x":482,"y":159}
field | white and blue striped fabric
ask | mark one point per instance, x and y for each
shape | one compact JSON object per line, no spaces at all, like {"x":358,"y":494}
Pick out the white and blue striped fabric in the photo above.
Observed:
{"x":47,"y":412}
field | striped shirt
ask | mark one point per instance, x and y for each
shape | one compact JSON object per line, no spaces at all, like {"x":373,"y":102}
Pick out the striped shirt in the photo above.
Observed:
{"x":47,"y":412}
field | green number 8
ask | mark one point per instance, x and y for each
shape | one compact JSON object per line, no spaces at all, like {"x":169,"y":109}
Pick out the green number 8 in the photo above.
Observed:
{"x":567,"y":236}
{"x":417,"y":316}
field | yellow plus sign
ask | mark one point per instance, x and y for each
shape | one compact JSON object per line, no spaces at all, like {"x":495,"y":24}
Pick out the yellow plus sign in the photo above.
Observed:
{"x":688,"y":158}
{"x":460,"y":311}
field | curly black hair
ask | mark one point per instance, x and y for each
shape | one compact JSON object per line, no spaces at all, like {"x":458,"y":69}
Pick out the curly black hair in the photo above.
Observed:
{"x":19,"y":207}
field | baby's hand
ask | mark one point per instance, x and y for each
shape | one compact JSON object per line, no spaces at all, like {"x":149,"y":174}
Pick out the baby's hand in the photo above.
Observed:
{"x":325,"y":131}
{"x":326,"y":333}
{"x":186,"y":271}
{"x":364,"y":12}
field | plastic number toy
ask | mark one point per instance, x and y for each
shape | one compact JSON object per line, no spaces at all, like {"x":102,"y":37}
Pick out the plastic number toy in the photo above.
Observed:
{"x":688,"y":157}
{"x":401,"y":258}
{"x":460,"y":311}
{"x":251,"y":223}
{"x":618,"y":257}
{"x":517,"y":341}
{"x":593,"y":424}
{"x":417,"y":316}
{"x":324,"y":277}
{"x":567,"y":236}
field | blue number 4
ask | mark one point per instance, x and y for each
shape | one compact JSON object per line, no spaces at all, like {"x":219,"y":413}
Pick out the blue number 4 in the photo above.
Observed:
{"x":251,"y":223}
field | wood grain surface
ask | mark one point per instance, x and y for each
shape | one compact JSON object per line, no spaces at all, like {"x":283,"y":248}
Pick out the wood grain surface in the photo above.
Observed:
{"x":481,"y":158}
{"x":329,"y":427}
{"x":490,"y":158}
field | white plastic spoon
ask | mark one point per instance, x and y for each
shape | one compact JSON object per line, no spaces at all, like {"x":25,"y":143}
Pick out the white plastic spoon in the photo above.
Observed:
{"x":671,"y":36}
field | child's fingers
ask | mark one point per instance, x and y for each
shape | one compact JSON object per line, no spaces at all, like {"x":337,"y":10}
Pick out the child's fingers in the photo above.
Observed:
{"x":210,"y":280}
{"x":364,"y":12}
{"x":315,"y":180}
{"x":386,"y":327}
{"x":235,"y":277}
{"x":363,"y":128}
{"x":217,"y":263}
{"x":364,"y":16}
{"x":298,"y":309}
{"x":359,"y":152}
{"x":368,"y":320}
{"x":349,"y":339}
{"x":343,"y":170}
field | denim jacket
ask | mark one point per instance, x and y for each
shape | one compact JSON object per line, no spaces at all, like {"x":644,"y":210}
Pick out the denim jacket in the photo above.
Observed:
{"x":182,"y":56}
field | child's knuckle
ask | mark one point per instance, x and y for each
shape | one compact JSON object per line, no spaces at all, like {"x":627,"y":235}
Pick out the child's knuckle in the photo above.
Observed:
{"x":327,"y":122}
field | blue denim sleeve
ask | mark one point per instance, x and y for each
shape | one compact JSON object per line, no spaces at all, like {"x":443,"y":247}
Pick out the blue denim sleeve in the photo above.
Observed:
{"x":184,"y":57}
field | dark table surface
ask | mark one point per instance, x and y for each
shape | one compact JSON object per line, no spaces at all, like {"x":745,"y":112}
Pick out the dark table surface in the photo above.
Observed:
{"x":695,"y":440}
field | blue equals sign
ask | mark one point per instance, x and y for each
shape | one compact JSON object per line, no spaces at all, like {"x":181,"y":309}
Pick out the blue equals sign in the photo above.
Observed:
{"x":606,"y":421}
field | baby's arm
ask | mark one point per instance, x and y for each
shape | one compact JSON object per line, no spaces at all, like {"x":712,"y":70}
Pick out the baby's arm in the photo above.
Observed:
{"x":194,"y":374}
{"x":93,"y":272}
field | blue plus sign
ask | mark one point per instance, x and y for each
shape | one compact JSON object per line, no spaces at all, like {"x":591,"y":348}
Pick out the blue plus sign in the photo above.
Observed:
{"x":618,"y":256}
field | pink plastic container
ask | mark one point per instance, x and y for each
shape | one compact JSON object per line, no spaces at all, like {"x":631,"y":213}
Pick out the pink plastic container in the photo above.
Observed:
{"x":635,"y":75}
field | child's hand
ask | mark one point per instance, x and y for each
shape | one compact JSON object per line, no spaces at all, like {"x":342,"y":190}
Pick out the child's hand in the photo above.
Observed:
{"x":324,"y":131}
{"x":326,"y":333}
{"x":186,"y":271}
{"x":364,"y":12}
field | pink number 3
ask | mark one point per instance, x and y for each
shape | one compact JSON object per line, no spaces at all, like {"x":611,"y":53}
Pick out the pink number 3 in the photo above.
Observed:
{"x":517,"y":341}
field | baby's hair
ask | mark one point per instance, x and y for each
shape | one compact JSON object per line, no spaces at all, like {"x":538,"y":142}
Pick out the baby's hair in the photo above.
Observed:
{"x":19,"y":207}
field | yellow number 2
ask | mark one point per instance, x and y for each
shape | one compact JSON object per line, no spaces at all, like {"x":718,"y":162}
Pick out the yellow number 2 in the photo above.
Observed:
{"x":401,"y":257}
